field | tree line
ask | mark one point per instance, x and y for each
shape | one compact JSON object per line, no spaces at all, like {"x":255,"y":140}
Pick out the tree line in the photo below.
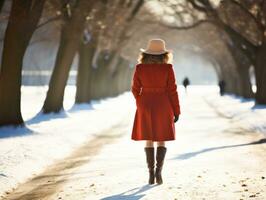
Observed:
{"x":242,"y":26}
{"x":84,"y":24}
{"x":244,"y":23}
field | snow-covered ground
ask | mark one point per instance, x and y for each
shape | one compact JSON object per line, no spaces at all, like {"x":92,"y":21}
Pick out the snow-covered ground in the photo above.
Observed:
{"x":26,"y":152}
{"x":242,"y":112}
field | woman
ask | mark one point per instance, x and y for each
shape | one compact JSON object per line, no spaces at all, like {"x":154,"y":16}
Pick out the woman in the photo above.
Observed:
{"x":155,"y":91}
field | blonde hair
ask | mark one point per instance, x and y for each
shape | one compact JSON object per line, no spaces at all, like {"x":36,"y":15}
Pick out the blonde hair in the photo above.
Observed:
{"x":145,"y":58}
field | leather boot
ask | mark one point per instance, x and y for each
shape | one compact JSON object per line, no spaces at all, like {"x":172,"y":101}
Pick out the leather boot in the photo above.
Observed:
{"x":160,"y":155}
{"x":150,"y":162}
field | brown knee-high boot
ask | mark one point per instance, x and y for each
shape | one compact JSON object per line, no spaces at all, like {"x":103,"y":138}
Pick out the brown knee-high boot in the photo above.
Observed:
{"x":160,"y":155}
{"x":150,"y":162}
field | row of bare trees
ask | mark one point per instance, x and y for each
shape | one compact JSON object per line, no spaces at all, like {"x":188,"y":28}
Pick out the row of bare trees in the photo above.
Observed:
{"x":245,"y":24}
{"x":97,"y":31}
{"x":92,"y":29}
{"x":242,"y":26}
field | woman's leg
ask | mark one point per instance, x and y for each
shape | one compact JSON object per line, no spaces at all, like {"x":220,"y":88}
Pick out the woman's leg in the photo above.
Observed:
{"x":150,"y":157}
{"x":160,"y":155}
{"x":149,"y":143}
{"x":161,"y":144}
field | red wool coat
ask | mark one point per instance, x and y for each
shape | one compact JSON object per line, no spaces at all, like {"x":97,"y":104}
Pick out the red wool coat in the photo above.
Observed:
{"x":155,"y":91}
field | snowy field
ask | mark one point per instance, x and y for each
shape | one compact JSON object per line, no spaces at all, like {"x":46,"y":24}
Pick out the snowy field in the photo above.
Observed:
{"x":26,"y":152}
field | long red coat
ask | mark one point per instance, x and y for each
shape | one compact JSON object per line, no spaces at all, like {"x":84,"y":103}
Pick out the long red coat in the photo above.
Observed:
{"x":155,"y":91}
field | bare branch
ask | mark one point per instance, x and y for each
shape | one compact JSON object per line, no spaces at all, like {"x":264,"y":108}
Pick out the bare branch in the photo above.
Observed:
{"x":256,"y":20}
{"x":48,"y":21}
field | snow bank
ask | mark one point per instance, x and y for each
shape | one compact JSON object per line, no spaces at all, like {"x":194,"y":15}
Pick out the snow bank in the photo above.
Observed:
{"x":242,"y":112}
{"x":26,"y":151}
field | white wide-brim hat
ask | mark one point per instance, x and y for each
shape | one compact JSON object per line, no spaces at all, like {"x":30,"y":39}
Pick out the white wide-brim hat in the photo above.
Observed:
{"x":155,"y":47}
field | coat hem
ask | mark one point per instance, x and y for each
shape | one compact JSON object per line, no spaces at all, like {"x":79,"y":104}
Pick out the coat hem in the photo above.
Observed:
{"x":155,"y":140}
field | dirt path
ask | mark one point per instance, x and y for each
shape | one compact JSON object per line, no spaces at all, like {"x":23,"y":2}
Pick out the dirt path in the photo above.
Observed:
{"x":212,"y":158}
{"x":51,"y":180}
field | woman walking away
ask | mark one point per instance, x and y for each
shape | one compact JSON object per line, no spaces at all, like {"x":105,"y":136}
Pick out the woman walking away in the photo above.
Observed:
{"x":155,"y":91}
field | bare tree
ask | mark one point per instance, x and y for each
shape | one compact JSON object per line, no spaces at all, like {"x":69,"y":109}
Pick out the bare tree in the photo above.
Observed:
{"x":108,"y":31}
{"x":1,"y":4}
{"x":242,"y":36}
{"x":87,"y":50}
{"x":247,"y":36}
{"x":71,"y":34}
{"x":22,"y":22}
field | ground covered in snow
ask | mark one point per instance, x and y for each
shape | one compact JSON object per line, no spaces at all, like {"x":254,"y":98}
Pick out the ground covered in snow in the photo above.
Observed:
{"x":219,"y":151}
{"x":25,"y":152}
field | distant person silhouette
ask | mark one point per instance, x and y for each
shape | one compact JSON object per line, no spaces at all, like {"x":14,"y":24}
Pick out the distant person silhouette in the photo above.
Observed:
{"x":222,"y":87}
{"x":186,"y":82}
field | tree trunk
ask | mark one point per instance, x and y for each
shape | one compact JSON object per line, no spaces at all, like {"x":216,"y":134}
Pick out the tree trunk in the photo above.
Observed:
{"x":246,"y":88}
{"x":260,"y":73}
{"x":86,"y":53}
{"x":123,"y":78}
{"x":1,"y":4}
{"x":126,"y":78}
{"x":101,"y":81}
{"x":242,"y":68}
{"x":66,"y":52}
{"x":113,"y":63}
{"x":98,"y":86}
{"x":23,"y":20}
{"x":230,"y":83}
{"x":69,"y":42}
{"x":117,"y":76}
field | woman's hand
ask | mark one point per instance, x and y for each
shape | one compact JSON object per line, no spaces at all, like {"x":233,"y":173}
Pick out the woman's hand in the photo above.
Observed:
{"x":176,"y":118}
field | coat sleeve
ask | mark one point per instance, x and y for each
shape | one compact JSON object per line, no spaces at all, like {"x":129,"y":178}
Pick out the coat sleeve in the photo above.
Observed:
{"x":135,"y":83}
{"x":172,"y":91}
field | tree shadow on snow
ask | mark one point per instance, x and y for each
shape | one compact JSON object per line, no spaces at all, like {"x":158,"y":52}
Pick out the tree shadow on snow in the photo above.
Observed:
{"x":241,"y":99}
{"x":132,"y":196}
{"x":195,"y":153}
{"x":41,"y":117}
{"x":245,"y":100}
{"x":257,"y":107}
{"x":80,"y":107}
{"x":15,"y":131}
